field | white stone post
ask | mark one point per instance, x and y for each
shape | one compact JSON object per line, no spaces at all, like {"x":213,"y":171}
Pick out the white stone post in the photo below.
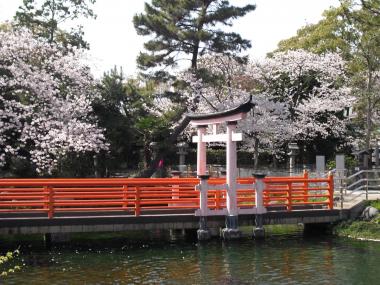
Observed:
{"x":259,"y":231}
{"x":340,"y":175}
{"x":201,"y":151}
{"x":259,"y":197}
{"x":203,"y":232}
{"x":203,"y":195}
{"x":232,"y":207}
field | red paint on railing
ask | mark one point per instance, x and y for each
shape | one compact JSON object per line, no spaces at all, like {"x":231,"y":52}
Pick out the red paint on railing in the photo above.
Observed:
{"x":138,"y":195}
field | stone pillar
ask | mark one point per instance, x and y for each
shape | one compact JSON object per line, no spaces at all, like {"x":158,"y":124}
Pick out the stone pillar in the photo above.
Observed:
{"x":201,"y":151}
{"x":320,"y":164}
{"x":259,"y":231}
{"x":232,"y":226}
{"x":203,"y":232}
{"x":340,"y":174}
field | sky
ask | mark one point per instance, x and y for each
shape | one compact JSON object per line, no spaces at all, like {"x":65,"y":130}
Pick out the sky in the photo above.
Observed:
{"x":114,"y":41}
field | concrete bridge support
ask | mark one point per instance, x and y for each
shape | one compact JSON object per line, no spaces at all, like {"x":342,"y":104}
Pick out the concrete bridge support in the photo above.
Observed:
{"x":203,"y":232}
{"x":259,"y":231}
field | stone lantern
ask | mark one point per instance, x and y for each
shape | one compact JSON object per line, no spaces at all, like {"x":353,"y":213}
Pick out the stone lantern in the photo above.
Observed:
{"x":182,"y":151}
{"x":293,"y":151}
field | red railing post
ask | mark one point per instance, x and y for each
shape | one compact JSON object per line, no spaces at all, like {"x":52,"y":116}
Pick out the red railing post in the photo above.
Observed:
{"x":305,"y":186}
{"x":217,"y":199}
{"x":137,"y":202}
{"x":50,"y":200}
{"x":331,"y":190}
{"x":289,"y":196}
{"x":125,"y":195}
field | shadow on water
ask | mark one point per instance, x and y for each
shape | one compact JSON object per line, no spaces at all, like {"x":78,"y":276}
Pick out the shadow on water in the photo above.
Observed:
{"x":284,"y":257}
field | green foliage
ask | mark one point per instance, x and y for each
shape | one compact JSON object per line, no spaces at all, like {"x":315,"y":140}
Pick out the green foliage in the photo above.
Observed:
{"x":188,"y":27}
{"x":375,"y":204}
{"x":349,"y":161}
{"x":328,"y":35}
{"x":117,"y":112}
{"x":8,"y":264}
{"x":353,"y":30}
{"x":126,"y":111}
{"x":45,"y":19}
{"x":359,"y":229}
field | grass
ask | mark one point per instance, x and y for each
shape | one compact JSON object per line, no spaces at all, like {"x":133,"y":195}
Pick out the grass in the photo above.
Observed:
{"x":360,"y":228}
{"x":375,"y":204}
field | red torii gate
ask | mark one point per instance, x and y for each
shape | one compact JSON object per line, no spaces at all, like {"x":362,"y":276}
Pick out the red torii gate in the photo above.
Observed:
{"x":231,"y":118}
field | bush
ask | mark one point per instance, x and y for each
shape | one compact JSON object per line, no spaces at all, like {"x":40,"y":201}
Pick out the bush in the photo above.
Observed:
{"x":8,"y":264}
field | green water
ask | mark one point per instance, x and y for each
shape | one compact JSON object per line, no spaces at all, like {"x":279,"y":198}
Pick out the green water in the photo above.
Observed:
{"x":280,"y":259}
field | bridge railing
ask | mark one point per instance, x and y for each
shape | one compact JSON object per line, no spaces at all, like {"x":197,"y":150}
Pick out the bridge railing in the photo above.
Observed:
{"x":138,"y":196}
{"x":290,"y":192}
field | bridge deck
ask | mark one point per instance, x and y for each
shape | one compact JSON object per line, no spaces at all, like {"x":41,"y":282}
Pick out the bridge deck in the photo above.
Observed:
{"x":100,"y":222}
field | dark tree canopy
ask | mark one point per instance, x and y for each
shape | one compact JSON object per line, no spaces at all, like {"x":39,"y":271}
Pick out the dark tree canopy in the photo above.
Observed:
{"x":189,"y":27}
{"x":45,"y":17}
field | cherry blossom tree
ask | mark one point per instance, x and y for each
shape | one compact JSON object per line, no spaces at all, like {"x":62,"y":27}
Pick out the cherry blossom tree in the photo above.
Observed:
{"x":45,"y":102}
{"x":299,"y":96}
{"x":313,"y":87}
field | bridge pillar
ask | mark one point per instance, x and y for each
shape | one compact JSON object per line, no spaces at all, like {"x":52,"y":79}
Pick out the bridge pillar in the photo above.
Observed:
{"x":259,"y":231}
{"x":203,"y":232}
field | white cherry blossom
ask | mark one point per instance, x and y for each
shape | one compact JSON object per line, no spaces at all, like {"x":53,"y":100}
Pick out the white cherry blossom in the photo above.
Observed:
{"x":45,"y":102}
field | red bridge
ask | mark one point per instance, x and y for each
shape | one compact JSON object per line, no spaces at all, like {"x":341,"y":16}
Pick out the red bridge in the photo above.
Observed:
{"x":137,"y":196}
{"x":122,"y":204}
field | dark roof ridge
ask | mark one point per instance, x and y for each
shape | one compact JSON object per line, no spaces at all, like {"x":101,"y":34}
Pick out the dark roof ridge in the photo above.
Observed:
{"x":242,"y":108}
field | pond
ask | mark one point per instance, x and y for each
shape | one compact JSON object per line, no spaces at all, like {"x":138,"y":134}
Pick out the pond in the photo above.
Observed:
{"x":279,"y":259}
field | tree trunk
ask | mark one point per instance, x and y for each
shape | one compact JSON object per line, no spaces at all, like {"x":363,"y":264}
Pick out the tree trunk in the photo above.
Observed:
{"x":162,"y":152}
{"x":256,"y":154}
{"x":194,"y":58}
{"x":368,"y":123}
{"x":274,"y":164}
{"x":369,"y":112}
{"x":200,"y":19}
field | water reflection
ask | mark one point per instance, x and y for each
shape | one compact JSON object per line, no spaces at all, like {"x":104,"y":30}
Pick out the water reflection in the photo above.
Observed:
{"x":285,"y":259}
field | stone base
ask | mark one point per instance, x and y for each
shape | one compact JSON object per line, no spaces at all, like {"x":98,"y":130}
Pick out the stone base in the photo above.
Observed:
{"x":258,"y":233}
{"x":230,"y":234}
{"x":203,"y":234}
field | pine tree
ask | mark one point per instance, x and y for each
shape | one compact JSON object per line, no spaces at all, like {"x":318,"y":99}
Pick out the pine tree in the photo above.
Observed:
{"x":44,"y":19}
{"x":181,"y":28}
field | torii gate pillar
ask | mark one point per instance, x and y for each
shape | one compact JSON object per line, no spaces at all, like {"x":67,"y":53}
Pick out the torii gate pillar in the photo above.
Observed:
{"x":201,"y":150}
{"x":231,"y":165}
